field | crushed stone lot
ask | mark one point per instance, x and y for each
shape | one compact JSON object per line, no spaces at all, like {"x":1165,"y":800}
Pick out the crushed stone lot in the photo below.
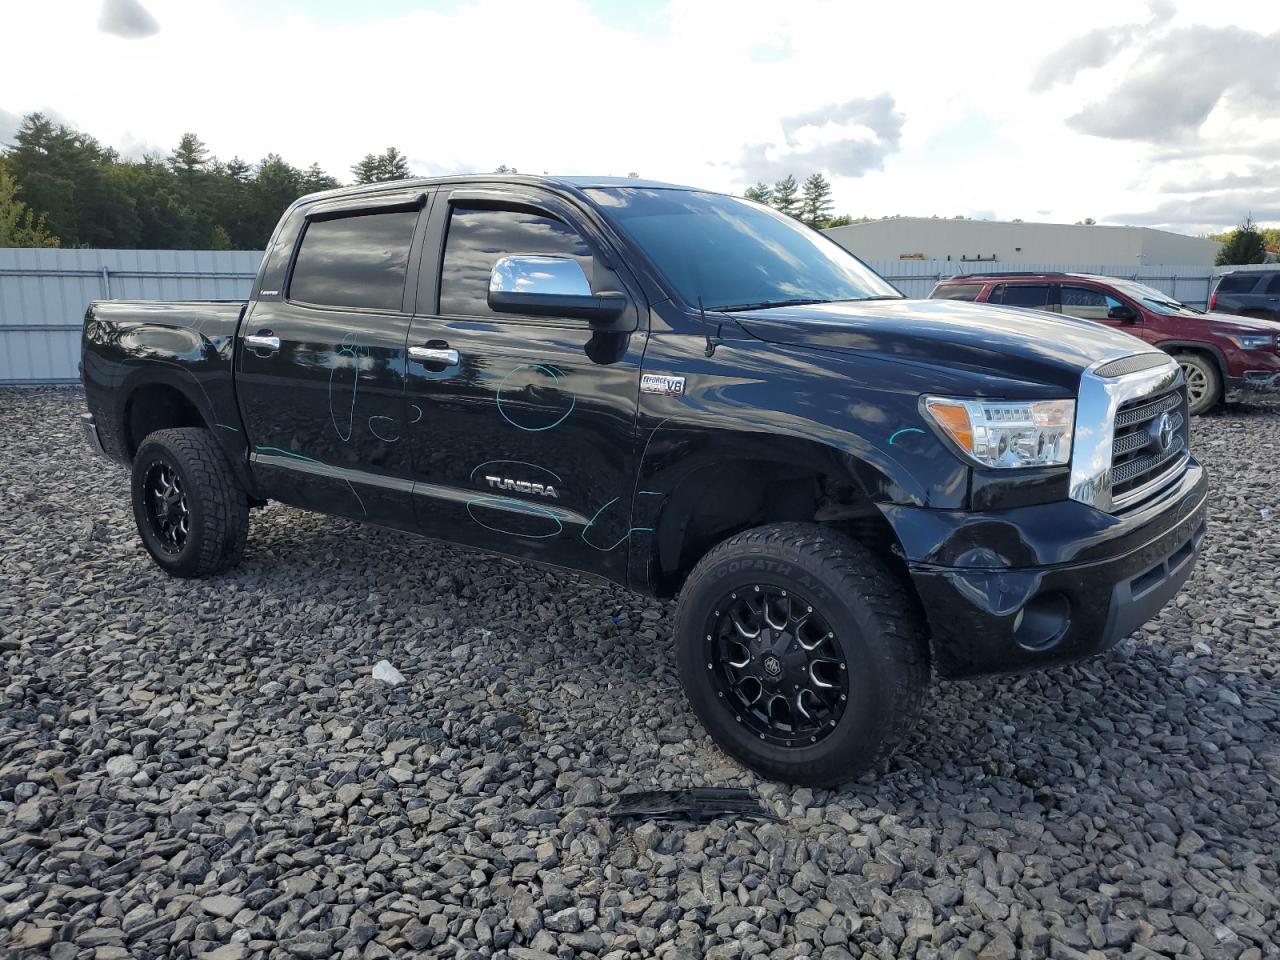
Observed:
{"x":209,"y":768}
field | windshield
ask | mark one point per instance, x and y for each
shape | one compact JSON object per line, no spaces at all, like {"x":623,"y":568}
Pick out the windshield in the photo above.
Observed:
{"x":1152,"y":298}
{"x":735,"y":254}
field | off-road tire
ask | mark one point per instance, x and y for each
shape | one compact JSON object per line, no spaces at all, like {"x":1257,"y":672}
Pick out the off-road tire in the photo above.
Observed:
{"x":217,"y":505}
{"x":1197,"y":365}
{"x":876,"y":621}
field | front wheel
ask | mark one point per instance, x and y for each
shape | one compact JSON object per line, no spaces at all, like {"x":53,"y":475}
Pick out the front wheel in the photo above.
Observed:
{"x":192,"y":514}
{"x":1204,"y":383}
{"x":801,"y":653}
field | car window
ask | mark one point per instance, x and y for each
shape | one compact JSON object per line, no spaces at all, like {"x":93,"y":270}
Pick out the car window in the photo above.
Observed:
{"x":1086,"y":303}
{"x":354,"y":261}
{"x":1274,"y":285}
{"x":1237,"y":283}
{"x":1033,"y":295}
{"x":480,"y":236}
{"x":956,"y":291}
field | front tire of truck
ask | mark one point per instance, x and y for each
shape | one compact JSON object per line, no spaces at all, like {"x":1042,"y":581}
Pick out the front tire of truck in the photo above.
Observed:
{"x":192,"y":514}
{"x":801,"y":652}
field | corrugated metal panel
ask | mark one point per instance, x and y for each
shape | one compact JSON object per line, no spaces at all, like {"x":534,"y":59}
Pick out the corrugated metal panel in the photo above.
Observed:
{"x":44,"y":293}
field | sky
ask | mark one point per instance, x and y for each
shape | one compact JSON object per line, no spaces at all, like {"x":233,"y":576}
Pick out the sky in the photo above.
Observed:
{"x":1161,"y":113}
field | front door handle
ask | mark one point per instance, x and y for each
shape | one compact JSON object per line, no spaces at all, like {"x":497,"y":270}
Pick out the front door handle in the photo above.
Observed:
{"x":259,"y":342}
{"x":445,"y":355}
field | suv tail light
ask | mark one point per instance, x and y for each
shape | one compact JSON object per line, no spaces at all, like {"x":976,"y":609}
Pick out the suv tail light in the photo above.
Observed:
{"x":1213,"y":301}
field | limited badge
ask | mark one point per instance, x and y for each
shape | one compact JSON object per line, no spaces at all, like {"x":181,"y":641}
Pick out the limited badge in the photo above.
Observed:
{"x":662,"y":386}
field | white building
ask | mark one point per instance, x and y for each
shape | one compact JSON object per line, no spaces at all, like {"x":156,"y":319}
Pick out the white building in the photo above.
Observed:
{"x":1063,"y":244}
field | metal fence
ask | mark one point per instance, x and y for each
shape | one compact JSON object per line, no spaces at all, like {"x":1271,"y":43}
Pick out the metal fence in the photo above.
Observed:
{"x":43,"y":293}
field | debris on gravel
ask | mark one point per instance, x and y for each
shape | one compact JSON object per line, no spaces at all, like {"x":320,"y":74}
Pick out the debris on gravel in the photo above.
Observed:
{"x":213,"y":769}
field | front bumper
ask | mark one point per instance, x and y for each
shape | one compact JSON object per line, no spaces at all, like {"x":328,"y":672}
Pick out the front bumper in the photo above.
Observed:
{"x":90,"y":430}
{"x":1261,"y":381}
{"x":990,"y":611}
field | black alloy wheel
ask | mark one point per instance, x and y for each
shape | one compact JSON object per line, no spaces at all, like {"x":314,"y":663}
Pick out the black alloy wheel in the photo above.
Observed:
{"x":166,"y":506}
{"x":777,"y":665}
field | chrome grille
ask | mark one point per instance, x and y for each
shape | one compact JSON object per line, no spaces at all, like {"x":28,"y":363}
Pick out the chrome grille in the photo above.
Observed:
{"x":1140,"y":466}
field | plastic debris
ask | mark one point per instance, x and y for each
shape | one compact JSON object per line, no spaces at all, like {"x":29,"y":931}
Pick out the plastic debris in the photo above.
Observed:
{"x":384,"y":671}
{"x":699,"y":804}
{"x":1266,"y":513}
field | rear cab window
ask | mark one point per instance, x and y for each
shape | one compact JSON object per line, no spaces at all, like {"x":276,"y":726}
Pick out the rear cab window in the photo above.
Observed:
{"x":355,"y":260}
{"x":479,"y":236}
{"x":1237,"y":283}
{"x":956,"y":291}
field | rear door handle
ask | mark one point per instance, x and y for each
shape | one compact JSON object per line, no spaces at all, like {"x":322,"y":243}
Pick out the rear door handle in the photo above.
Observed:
{"x":445,"y":355}
{"x":260,"y":342}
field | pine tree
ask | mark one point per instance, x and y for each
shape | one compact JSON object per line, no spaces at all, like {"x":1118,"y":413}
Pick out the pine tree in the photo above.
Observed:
{"x":760,"y":193}
{"x":189,"y":155}
{"x":786,"y":196}
{"x":315,"y":179}
{"x":815,"y":208}
{"x":378,"y":168}
{"x":1243,"y":245}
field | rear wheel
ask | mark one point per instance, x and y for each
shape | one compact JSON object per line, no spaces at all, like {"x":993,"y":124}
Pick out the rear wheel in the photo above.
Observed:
{"x":802,"y":654}
{"x":1204,"y":383}
{"x":192,"y":514}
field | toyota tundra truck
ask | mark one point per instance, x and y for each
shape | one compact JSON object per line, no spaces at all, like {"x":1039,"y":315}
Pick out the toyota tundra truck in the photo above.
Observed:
{"x":690,"y":395}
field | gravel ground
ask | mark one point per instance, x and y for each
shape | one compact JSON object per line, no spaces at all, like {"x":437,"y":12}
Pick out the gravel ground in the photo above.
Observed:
{"x":209,"y":768}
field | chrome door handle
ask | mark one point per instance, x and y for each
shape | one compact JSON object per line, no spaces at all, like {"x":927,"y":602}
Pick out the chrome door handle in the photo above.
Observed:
{"x":448,"y":357}
{"x":262,"y":343}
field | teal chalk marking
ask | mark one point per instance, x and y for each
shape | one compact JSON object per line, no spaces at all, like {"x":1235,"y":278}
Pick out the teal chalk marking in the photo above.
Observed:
{"x":514,"y":506}
{"x":649,"y":493}
{"x":554,"y":376}
{"x":898,"y":433}
{"x":621,"y":539}
{"x":225,"y":426}
{"x":286,"y":453}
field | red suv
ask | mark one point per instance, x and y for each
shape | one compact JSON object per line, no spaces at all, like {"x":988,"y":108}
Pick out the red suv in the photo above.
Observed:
{"x":1217,"y":351}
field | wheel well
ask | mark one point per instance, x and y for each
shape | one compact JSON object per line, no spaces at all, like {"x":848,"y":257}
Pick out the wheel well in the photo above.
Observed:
{"x":722,"y":499}
{"x":1209,"y":355}
{"x":157,"y":407}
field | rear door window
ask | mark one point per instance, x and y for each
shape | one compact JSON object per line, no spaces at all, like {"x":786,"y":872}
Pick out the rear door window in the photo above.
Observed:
{"x":1274,"y":286}
{"x":1086,"y":303}
{"x":956,"y":291}
{"x":1032,"y":295}
{"x":355,"y":261}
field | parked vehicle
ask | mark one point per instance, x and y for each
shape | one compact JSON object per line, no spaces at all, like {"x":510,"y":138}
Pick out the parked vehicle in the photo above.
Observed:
{"x":1248,"y":293}
{"x":687,"y":394}
{"x":1218,"y":353}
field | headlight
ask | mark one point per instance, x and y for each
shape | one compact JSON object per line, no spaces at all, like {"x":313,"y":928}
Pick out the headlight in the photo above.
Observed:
{"x":1252,"y":342}
{"x":1006,"y":434}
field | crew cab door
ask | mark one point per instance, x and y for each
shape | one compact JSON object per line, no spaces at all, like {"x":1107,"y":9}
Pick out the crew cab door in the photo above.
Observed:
{"x":1090,"y":303}
{"x":522,"y":426}
{"x":320,"y":363}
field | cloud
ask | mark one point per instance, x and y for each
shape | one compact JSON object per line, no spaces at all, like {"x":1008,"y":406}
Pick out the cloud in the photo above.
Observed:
{"x":841,"y":139}
{"x":8,"y":127}
{"x":1208,"y":213}
{"x":1096,"y":48}
{"x":1181,"y":78}
{"x":1258,"y":177}
{"x":128,"y":19}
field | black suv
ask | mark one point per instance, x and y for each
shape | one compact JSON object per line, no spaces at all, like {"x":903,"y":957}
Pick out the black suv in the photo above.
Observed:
{"x":1249,"y":293}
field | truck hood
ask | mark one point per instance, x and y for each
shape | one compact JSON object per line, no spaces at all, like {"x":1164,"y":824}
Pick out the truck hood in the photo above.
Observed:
{"x":1010,"y":343}
{"x":1232,"y":323}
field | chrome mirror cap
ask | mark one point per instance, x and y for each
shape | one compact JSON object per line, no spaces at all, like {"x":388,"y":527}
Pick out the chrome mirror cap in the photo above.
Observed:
{"x":548,"y":276}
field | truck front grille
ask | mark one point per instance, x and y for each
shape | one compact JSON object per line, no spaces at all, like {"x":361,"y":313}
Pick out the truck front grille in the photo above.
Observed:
{"x":1141,"y":465}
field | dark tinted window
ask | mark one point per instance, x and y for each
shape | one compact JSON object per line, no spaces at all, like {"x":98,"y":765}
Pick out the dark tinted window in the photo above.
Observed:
{"x":1238,"y":283}
{"x":956,"y":291}
{"x":357,"y":261}
{"x":1274,"y":285}
{"x":730,"y":252}
{"x":1034,"y":295}
{"x":1086,"y":302}
{"x":480,"y":236}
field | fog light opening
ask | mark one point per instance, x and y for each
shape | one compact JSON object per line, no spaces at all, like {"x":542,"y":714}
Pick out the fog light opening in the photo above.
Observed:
{"x":1042,"y":622}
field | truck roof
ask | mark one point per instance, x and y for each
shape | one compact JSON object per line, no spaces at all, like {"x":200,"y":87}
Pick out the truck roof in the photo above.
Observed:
{"x":572,"y":182}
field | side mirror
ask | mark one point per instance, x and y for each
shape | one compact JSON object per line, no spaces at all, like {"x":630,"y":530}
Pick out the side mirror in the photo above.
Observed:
{"x":551,"y":287}
{"x":1122,"y":312}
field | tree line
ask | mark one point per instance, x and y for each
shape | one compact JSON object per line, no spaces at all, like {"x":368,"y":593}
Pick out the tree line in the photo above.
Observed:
{"x":809,"y":202}
{"x":61,"y":187}
{"x":1247,"y":243}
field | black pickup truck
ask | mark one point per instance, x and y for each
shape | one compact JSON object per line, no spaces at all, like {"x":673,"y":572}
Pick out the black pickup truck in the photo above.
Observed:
{"x":690,"y":395}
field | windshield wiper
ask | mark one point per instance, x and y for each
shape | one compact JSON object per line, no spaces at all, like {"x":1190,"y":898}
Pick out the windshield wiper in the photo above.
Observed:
{"x":767,"y":305}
